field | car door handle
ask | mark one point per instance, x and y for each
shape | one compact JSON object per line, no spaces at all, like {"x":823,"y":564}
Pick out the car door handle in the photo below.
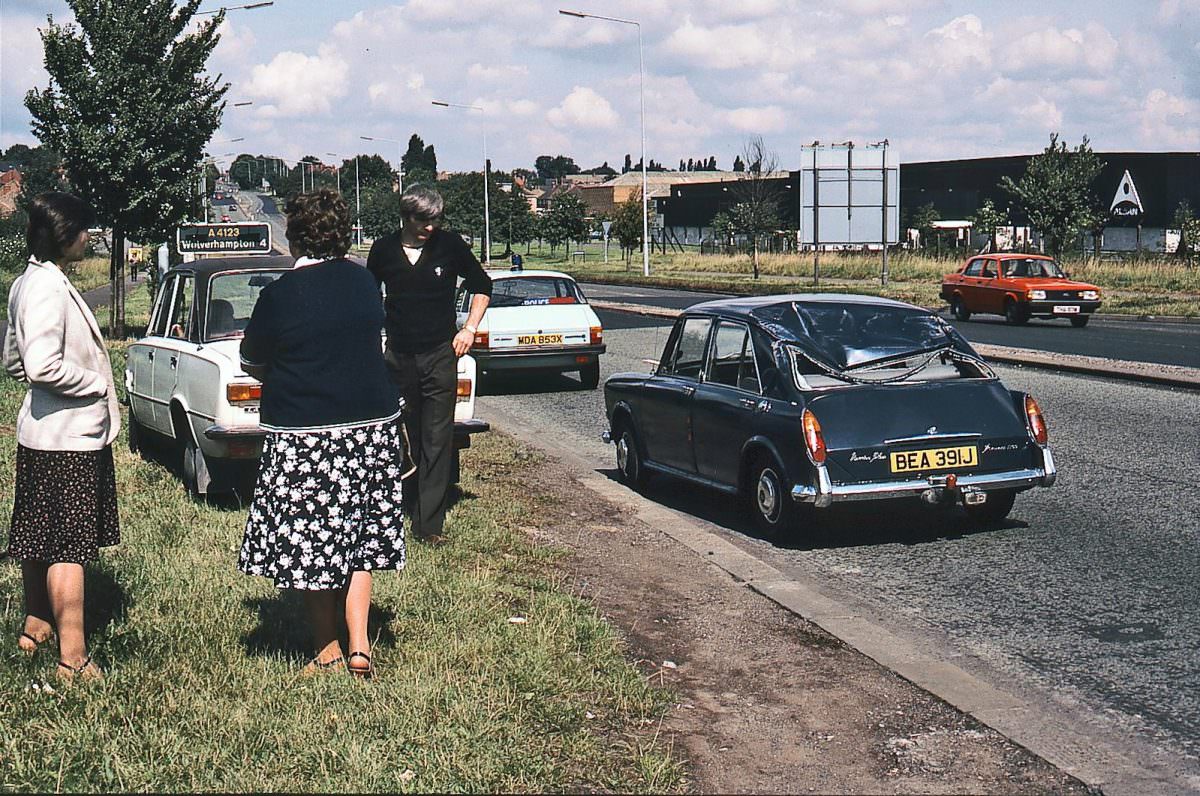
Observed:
{"x":174,"y":361}
{"x":689,"y":391}
{"x":748,"y":403}
{"x":150,"y":355}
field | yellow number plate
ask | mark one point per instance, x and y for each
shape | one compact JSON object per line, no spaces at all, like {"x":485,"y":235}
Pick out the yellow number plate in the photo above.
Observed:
{"x":935,"y":459}
{"x":539,"y":339}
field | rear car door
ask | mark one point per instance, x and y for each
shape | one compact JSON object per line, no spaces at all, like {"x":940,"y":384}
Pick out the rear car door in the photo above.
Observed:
{"x":141,"y":357}
{"x":725,"y":411}
{"x":667,"y":397}
{"x":971,"y":285}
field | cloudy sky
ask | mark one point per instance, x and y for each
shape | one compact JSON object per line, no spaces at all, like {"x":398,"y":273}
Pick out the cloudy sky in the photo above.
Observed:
{"x":939,"y":78}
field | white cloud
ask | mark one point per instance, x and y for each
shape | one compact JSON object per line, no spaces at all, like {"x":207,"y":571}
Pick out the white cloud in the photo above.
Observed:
{"x":1041,"y":114}
{"x":583,"y":108}
{"x":1051,"y":50}
{"x":1170,"y":122}
{"x":728,"y":46}
{"x":491,"y":72}
{"x":756,"y":121}
{"x":960,"y":43}
{"x":295,"y":84}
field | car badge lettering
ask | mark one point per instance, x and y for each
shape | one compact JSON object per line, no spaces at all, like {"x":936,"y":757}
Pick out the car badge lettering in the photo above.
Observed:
{"x":931,"y":430}
{"x":1012,"y":446}
{"x":874,"y":456}
{"x":438,"y":270}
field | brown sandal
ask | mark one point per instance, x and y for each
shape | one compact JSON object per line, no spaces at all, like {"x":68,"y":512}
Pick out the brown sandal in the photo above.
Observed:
{"x":34,"y":640}
{"x":315,"y":666}
{"x":363,"y":672}
{"x":85,"y":671}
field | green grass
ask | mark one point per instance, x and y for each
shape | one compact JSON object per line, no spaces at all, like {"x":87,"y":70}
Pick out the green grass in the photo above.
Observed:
{"x":203,"y":693}
{"x":1150,"y":286}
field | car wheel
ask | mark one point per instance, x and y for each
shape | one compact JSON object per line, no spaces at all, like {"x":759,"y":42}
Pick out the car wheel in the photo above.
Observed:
{"x":188,"y":466}
{"x":589,"y":375}
{"x":999,"y":503}
{"x":1080,"y":321}
{"x":959,"y":309}
{"x":775,"y":513}
{"x":629,"y":457}
{"x":1015,"y":313}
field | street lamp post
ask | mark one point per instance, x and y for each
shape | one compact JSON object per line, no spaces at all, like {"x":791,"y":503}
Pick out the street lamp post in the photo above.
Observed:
{"x":487,"y":217}
{"x":399,"y":160}
{"x":357,"y":197}
{"x":642,"y":96}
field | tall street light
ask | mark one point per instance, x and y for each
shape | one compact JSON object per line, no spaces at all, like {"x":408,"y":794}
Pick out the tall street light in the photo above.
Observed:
{"x":642,"y":95}
{"x":399,"y":162}
{"x":357,"y":198}
{"x":487,"y":217}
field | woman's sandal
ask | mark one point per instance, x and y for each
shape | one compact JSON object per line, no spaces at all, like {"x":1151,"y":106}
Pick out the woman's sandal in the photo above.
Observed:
{"x":85,"y":672}
{"x":364,"y":672}
{"x":316,"y":666}
{"x":34,"y":643}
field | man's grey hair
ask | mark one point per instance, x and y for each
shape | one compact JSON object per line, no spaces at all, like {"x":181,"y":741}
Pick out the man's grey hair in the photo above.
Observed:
{"x":421,"y":202}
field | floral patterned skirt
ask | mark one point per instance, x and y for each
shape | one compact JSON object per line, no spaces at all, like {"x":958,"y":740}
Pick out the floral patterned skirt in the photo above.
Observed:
{"x":327,"y":504}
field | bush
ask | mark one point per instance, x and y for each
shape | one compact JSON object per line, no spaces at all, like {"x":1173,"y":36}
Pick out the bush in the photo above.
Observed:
{"x":13,"y":255}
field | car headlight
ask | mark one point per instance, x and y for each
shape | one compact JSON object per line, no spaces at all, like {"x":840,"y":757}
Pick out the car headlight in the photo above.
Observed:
{"x":1091,"y":295}
{"x":1037,"y":295}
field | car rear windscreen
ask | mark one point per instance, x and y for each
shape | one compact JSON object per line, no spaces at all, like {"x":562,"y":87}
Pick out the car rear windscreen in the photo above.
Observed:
{"x":531,"y":291}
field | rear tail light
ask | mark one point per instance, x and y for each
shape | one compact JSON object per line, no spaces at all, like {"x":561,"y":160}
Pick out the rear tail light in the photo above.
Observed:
{"x":243,"y":393}
{"x":814,"y":442}
{"x":463,"y":392}
{"x":1035,"y":421}
{"x":597,"y":336}
{"x":481,"y":340}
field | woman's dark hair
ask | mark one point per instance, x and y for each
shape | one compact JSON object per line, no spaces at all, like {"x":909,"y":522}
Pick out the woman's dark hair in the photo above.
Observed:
{"x":318,"y":224}
{"x":55,"y":221}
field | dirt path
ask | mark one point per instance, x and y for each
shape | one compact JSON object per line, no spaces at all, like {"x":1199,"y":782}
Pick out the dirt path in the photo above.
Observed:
{"x":766,"y":701}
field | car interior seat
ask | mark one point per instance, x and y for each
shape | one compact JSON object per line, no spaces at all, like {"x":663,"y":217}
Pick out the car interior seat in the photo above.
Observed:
{"x":221,"y":319}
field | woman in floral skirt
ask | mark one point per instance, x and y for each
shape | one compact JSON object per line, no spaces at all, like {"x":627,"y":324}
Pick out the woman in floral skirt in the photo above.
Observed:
{"x":327,"y":505}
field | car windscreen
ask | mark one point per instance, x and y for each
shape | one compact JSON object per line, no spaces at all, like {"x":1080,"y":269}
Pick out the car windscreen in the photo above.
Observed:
{"x":1032,"y":267}
{"x":845,"y":336}
{"x":532,"y":291}
{"x":231,"y":299}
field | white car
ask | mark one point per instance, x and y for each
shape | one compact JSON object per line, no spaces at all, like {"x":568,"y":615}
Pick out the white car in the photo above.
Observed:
{"x":537,"y":321}
{"x":185,"y":383}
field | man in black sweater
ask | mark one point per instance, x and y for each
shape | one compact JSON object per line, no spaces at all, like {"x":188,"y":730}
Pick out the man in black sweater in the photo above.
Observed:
{"x":419,"y":268}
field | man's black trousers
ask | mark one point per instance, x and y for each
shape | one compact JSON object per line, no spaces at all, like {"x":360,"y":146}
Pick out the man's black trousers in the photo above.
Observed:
{"x":428,"y":383}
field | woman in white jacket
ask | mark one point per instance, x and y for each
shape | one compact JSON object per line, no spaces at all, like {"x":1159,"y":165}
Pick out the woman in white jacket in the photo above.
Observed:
{"x":65,"y":502}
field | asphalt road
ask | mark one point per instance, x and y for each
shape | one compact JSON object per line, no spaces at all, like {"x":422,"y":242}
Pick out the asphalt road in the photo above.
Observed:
{"x":1140,"y":341}
{"x":1088,"y":598}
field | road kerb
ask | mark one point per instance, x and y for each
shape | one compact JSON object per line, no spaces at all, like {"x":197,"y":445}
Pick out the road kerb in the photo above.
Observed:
{"x":1101,"y":759}
{"x":1147,"y":372}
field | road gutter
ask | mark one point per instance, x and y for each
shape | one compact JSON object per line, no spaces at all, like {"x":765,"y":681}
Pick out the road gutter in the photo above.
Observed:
{"x":1145,"y":372}
{"x":1101,"y":759}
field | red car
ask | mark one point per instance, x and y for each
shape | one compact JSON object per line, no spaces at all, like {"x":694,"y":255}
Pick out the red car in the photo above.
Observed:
{"x":225,"y":219}
{"x":1019,"y":287}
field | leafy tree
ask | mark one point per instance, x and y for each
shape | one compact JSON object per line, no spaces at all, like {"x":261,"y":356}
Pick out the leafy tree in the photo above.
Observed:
{"x":566,"y":220}
{"x":463,"y":194}
{"x":1055,"y":191}
{"x":130,"y":108}
{"x":922,"y":219}
{"x":759,"y":196}
{"x":512,"y":220}
{"x":380,"y":210}
{"x":627,"y":225}
{"x":1188,"y":224}
{"x":987,"y":219}
{"x":738,"y":165}
{"x":724,"y":227}
{"x":373,"y":171}
{"x":554,"y":167}
{"x":603,"y":169}
{"x":628,"y":164}
{"x":419,"y":162}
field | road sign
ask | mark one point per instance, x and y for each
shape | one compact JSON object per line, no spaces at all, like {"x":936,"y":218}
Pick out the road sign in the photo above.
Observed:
{"x":240,"y":237}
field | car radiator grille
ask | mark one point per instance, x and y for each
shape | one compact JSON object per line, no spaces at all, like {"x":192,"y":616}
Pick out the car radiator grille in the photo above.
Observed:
{"x":1062,"y":294}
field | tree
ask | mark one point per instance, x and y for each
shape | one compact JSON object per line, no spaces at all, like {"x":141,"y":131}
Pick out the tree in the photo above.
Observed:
{"x":419,"y":162}
{"x":463,"y":194}
{"x":1189,"y":229}
{"x":738,"y":165}
{"x":380,"y":210}
{"x":922,"y":220}
{"x":41,"y":170}
{"x":759,"y":194}
{"x":512,"y":220}
{"x":724,"y":227}
{"x":373,"y":172}
{"x":1055,"y":191}
{"x":130,"y":108}
{"x":987,"y":219}
{"x":628,"y":164}
{"x":603,"y":169}
{"x":554,"y":167}
{"x":566,"y":220}
{"x":627,"y":225}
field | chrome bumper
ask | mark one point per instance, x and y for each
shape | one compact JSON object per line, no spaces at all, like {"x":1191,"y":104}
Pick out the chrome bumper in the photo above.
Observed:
{"x":826,"y":492}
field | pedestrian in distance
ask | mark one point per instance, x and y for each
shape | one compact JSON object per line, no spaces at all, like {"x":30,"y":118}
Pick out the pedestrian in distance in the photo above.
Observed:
{"x":419,"y":268}
{"x":327,"y":507}
{"x":65,"y":501}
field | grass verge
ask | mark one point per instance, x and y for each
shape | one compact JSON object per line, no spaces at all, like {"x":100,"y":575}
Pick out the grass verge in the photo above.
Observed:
{"x":1161,"y":286}
{"x":203,"y":693}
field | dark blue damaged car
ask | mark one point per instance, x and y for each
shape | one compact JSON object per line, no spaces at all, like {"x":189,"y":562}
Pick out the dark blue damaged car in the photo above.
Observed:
{"x":795,"y":403}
